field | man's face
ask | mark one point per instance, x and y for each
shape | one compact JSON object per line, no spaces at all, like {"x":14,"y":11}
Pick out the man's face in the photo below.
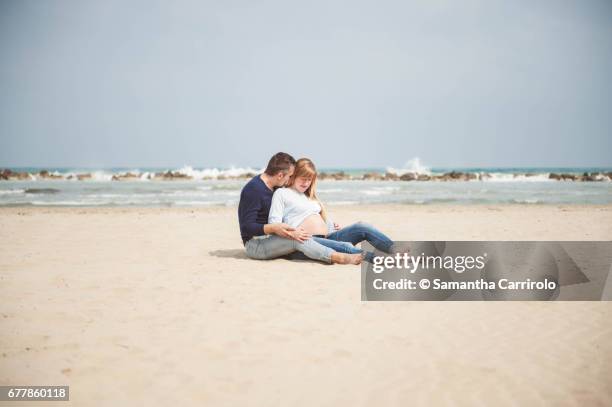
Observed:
{"x":283,"y":177}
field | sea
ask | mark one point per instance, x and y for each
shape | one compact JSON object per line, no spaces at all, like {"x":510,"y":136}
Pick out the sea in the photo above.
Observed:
{"x":221,"y":187}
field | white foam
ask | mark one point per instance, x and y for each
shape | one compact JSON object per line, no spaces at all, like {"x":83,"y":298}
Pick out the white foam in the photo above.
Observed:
{"x":602,"y":177}
{"x":413,"y":166}
{"x":11,"y":191}
{"x":215,"y":173}
{"x":195,"y":203}
{"x":331,"y":190}
{"x":343,"y":202}
{"x":67,"y":203}
{"x":505,"y":177}
{"x":378,"y":191}
{"x":526,"y":201}
{"x":101,"y":176}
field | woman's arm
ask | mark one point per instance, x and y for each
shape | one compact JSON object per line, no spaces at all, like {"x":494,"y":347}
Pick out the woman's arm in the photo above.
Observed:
{"x":277,"y":207}
{"x":331,"y":226}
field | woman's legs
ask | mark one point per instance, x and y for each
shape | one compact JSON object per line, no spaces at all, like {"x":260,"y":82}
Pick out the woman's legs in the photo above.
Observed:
{"x":360,"y":231}
{"x":343,"y":247}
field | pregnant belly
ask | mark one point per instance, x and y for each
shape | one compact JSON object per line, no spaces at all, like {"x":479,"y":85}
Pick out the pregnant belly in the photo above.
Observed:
{"x":315,"y":225}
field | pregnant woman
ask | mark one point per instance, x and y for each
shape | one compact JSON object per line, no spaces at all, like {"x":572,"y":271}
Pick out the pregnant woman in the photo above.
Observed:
{"x":298,"y":206}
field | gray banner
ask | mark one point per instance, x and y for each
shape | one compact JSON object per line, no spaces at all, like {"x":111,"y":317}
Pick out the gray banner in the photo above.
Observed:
{"x":34,"y":393}
{"x":497,"y":271}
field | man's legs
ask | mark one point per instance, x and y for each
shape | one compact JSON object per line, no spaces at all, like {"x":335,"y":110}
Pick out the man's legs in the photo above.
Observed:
{"x":360,"y":231}
{"x":275,"y":246}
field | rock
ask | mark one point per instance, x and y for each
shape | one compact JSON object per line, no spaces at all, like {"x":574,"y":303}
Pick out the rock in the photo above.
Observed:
{"x":449,"y":176}
{"x":42,"y":191}
{"x":82,"y":177}
{"x":552,"y":175}
{"x":335,"y":176}
{"x":423,"y":177}
{"x":21,"y":175}
{"x":5,"y":174}
{"x":372,"y":176}
{"x":594,"y":176}
{"x":47,"y":174}
{"x":170,"y":175}
{"x":409,"y":176}
{"x":8,"y":174}
{"x":390,"y":176}
{"x":454,"y":176}
{"x":123,"y":177}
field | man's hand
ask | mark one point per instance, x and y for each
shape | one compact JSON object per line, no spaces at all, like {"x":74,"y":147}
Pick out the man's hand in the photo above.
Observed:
{"x":300,"y":235}
{"x":337,"y":226}
{"x":279,"y":229}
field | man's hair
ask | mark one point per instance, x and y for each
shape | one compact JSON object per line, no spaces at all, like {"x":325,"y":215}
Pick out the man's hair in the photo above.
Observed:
{"x":279,"y":162}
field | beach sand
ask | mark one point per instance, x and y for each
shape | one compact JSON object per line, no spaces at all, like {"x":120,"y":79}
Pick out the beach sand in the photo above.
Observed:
{"x":160,"y":306}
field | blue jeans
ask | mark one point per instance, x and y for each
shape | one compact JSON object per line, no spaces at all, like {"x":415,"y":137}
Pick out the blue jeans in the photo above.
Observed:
{"x":337,"y":246}
{"x":343,"y":240}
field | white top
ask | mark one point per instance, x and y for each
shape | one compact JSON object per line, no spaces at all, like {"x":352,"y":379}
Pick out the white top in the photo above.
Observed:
{"x":292,"y":207}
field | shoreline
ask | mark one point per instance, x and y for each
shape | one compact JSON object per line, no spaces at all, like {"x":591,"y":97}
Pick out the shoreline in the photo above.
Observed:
{"x":349,"y":207}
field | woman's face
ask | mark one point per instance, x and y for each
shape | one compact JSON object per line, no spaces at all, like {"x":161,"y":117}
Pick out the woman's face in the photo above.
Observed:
{"x":302,"y":183}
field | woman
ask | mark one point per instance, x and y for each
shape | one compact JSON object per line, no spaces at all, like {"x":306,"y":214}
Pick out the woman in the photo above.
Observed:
{"x":298,"y":206}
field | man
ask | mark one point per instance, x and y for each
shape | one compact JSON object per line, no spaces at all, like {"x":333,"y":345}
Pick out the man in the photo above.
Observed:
{"x":267,"y":241}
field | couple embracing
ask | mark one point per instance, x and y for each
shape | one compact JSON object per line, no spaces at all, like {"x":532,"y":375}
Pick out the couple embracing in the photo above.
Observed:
{"x":280,"y":214}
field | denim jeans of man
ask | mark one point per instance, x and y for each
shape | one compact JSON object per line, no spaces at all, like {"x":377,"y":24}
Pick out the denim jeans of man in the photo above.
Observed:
{"x":272,"y":246}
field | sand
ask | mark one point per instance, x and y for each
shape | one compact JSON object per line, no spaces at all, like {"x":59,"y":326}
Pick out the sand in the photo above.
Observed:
{"x":161,"y":307}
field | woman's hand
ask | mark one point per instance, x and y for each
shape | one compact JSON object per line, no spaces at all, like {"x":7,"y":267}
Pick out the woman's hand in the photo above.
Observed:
{"x":286,"y":231}
{"x":279,"y":229}
{"x":337,"y":226}
{"x":300,"y":235}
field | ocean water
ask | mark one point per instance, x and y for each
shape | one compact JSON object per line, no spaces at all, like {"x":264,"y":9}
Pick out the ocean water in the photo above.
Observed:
{"x":505,"y":185}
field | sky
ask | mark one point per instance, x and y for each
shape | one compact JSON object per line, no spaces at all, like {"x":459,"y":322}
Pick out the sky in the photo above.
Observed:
{"x":346,"y":83}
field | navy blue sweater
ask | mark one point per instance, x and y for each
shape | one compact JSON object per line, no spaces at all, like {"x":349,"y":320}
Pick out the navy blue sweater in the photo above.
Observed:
{"x":254,"y":208}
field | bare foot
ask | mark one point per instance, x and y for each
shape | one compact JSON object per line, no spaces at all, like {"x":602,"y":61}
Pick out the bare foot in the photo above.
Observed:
{"x":344,"y":258}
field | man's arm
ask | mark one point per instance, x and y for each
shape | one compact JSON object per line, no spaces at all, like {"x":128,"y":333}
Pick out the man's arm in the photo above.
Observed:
{"x":248,"y":209}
